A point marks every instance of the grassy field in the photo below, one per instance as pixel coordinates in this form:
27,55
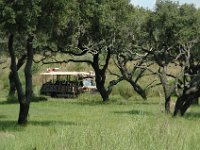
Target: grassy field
88,124
125,123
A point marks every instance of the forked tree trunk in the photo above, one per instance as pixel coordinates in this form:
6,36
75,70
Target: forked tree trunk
18,84
24,101
186,100
182,104
24,107
100,76
12,88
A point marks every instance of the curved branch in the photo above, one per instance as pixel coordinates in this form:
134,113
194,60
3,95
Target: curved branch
70,52
113,83
21,61
67,61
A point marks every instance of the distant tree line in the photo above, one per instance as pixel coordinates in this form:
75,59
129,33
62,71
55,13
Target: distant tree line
105,30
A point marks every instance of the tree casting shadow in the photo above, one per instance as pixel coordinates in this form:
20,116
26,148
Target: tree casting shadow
11,125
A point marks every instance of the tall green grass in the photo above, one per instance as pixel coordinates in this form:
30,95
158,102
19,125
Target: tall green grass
126,122
86,123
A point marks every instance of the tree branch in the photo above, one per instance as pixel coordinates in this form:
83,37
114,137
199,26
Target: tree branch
112,83
21,61
67,61
107,61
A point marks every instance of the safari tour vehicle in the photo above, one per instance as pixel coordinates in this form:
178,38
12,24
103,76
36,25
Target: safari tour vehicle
56,83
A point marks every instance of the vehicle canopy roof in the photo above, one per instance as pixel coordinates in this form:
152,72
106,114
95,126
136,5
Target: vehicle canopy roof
69,73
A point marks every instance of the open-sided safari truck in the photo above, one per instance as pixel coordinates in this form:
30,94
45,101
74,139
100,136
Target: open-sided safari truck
58,83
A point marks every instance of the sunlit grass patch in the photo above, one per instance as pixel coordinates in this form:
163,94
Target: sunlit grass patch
84,124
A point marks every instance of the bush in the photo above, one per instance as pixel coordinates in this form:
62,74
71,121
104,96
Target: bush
38,99
12,99
124,89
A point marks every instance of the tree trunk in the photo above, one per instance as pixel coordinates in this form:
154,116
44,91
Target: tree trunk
167,104
103,92
12,85
182,104
23,113
20,63
13,68
28,67
22,116
24,107
166,88
189,100
100,76
138,89
179,104
185,106
100,80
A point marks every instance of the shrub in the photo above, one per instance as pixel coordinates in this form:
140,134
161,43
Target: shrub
12,99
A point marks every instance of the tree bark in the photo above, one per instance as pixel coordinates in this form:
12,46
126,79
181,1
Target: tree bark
179,104
12,85
166,88
23,113
13,68
20,63
22,119
167,104
100,76
103,92
186,100
24,107
100,81
138,89
185,106
28,67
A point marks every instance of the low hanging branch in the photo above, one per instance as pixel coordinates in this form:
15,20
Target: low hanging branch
66,61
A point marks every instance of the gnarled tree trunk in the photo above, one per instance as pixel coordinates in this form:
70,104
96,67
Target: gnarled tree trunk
101,75
190,94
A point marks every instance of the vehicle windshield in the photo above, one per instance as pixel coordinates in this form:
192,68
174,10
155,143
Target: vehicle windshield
88,82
